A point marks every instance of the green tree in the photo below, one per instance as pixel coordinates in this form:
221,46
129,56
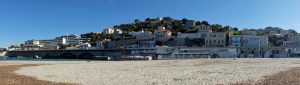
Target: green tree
198,23
216,27
237,33
235,29
184,20
279,43
136,21
205,23
167,19
147,19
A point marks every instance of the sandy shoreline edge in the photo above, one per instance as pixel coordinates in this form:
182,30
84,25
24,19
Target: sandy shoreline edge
9,77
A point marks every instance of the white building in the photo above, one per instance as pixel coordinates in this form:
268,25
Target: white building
294,38
249,41
136,33
291,43
162,34
70,39
32,43
216,39
193,35
53,44
203,32
209,52
85,45
142,35
112,31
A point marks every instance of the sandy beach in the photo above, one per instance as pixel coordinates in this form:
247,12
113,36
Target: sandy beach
169,72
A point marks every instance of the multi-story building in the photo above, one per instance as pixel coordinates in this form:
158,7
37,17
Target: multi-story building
216,39
136,33
249,41
294,38
71,39
291,43
49,44
206,35
112,31
236,41
188,35
162,34
203,52
142,35
203,32
54,43
32,43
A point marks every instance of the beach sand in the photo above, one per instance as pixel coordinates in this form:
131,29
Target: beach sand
9,77
169,72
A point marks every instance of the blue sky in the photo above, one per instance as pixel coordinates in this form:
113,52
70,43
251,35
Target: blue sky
21,20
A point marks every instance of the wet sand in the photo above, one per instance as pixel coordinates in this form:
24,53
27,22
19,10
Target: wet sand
9,77
289,77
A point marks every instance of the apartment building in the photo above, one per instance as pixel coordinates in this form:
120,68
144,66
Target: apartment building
248,41
216,39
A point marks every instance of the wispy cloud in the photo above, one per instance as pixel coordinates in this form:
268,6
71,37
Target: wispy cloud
112,3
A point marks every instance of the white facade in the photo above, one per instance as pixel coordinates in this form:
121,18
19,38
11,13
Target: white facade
249,41
70,39
108,31
162,34
216,39
199,34
54,43
112,31
203,32
142,35
85,46
291,43
204,52
236,41
294,38
32,43
136,33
